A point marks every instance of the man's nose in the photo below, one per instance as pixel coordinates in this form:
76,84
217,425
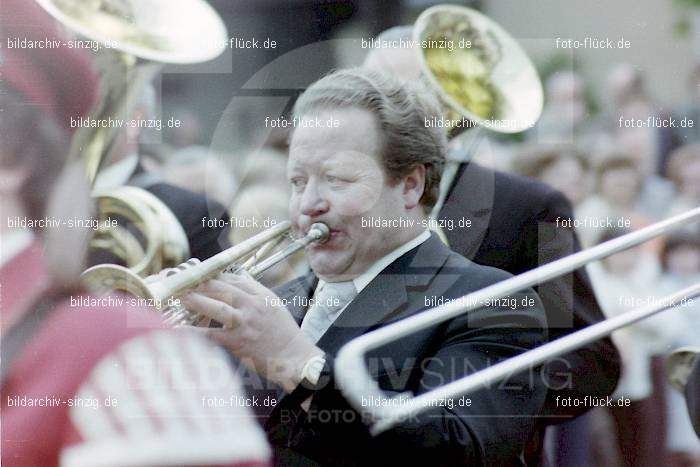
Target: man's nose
313,203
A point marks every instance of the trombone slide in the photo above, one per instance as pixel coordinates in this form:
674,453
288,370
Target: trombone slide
356,383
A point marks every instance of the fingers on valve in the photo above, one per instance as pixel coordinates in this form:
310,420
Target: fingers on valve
213,309
241,280
221,290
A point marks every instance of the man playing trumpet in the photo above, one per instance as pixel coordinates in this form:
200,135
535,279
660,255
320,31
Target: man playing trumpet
370,156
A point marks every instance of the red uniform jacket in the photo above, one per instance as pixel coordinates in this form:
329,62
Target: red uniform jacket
101,382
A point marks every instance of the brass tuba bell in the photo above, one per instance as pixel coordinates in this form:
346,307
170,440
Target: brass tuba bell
480,74
680,364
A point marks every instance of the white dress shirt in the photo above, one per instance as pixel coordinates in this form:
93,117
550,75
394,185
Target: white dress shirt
13,243
366,277
117,174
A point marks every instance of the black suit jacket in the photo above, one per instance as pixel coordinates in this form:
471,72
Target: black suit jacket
189,209
514,228
692,396
493,431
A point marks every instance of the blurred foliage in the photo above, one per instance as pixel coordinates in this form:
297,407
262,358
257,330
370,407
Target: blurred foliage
688,3
562,62
682,27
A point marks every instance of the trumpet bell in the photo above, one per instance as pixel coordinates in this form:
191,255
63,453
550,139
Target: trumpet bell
154,30
105,278
679,365
477,69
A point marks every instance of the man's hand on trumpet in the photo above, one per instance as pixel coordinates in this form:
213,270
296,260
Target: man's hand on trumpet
257,328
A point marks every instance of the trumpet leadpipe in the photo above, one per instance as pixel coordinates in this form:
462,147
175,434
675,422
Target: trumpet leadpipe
317,233
179,281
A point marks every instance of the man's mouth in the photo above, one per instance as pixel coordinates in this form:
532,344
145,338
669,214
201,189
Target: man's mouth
333,234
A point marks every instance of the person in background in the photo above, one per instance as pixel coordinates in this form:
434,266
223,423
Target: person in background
561,166
88,380
188,133
684,172
617,187
202,171
266,166
623,282
656,191
565,111
631,101
690,112
680,261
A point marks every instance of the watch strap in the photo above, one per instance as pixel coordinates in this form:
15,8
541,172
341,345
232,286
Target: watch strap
310,379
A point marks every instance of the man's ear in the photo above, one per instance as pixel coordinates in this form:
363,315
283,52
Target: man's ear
413,186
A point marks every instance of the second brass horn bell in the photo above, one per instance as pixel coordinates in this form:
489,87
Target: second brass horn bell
477,69
482,77
680,364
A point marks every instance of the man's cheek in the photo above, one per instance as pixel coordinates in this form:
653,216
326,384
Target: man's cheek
351,208
355,202
294,210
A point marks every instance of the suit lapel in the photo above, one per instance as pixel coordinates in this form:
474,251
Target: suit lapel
472,196
296,294
385,295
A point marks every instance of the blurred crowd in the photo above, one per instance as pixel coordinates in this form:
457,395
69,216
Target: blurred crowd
633,163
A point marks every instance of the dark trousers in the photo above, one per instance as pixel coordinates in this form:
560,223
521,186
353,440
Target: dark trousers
641,427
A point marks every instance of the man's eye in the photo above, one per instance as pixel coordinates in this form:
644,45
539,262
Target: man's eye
335,180
297,183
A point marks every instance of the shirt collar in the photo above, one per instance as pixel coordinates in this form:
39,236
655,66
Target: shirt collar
13,243
365,278
117,174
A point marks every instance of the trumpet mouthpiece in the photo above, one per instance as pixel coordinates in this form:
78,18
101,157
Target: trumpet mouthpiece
320,232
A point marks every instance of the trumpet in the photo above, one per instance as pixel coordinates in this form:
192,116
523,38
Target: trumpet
357,384
250,255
